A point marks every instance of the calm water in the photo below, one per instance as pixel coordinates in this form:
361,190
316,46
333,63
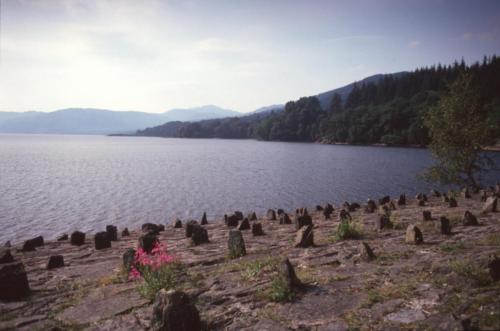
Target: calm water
52,184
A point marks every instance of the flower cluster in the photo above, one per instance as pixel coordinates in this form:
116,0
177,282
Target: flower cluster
145,262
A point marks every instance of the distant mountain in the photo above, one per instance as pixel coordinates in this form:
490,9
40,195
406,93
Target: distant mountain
267,109
100,121
199,113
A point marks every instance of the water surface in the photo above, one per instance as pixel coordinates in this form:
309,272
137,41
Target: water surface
51,184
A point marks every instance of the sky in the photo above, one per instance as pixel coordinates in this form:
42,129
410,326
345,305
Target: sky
153,55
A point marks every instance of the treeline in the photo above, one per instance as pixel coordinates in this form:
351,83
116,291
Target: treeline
389,111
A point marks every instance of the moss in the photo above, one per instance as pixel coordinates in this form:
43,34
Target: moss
466,269
348,230
252,269
279,291
453,248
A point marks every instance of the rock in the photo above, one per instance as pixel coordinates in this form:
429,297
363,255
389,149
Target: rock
287,273
236,244
465,193
421,202
319,208
483,195
435,193
125,232
452,203
445,198
13,281
490,206
302,211
383,222
271,215
199,235
257,229
101,240
392,206
344,215
239,215
414,235
252,216
55,261
231,220
445,225
285,219
150,228
161,227
384,200
28,246
128,259
304,237
384,210
280,211
494,267
189,228
244,225
327,210
354,206
177,224
365,251
77,238
5,256
302,220
7,244
173,311
469,219
402,200
426,215
421,196
371,206
63,237
147,242
405,316
112,232
204,220
37,241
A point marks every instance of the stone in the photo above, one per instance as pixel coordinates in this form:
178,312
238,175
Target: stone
421,196
37,241
370,207
285,219
77,238
465,193
445,225
147,242
327,210
177,224
189,228
204,220
384,210
7,244
494,268
426,215
112,232
414,235
63,237
402,200
280,211
365,251
435,193
13,281
239,215
319,208
5,255
101,240
392,206
271,215
244,225
236,244
452,203
199,235
445,199
128,259
469,219
490,206
287,273
304,237
384,200
173,311
55,261
28,246
252,216
383,222
161,227
483,195
354,206
421,202
302,220
125,232
257,229
231,220
150,228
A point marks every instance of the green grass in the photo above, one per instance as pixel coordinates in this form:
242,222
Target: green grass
278,290
480,276
453,248
253,269
348,230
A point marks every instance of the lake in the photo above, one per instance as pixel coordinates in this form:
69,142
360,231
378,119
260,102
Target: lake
50,184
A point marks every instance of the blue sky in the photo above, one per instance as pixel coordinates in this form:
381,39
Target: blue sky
153,55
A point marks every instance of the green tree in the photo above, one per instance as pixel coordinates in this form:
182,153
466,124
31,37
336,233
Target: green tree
459,129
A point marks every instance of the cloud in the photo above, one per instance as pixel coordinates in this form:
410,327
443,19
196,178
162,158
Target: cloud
414,44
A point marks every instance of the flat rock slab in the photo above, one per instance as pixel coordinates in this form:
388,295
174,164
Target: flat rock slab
405,316
103,303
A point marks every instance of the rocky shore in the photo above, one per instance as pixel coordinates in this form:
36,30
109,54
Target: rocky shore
416,263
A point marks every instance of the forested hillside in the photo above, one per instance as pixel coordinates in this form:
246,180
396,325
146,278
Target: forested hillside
388,110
